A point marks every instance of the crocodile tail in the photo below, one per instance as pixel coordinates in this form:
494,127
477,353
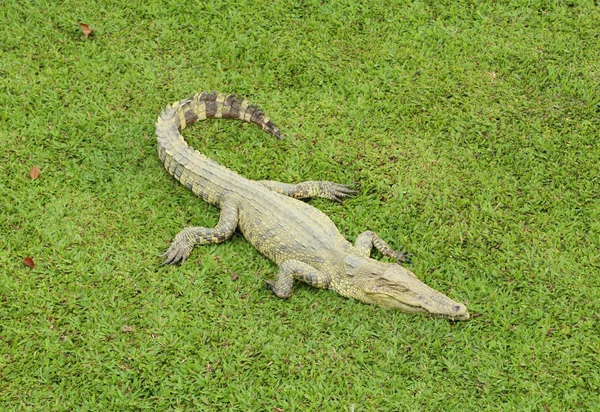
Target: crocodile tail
172,147
218,106
221,106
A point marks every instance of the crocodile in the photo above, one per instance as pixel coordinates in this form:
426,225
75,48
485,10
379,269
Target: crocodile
300,239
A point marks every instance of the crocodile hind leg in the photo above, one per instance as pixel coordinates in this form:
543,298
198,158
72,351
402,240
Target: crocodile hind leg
327,190
191,236
366,240
290,269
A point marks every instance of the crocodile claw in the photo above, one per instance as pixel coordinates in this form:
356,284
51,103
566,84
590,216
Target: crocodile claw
336,192
402,256
177,252
269,284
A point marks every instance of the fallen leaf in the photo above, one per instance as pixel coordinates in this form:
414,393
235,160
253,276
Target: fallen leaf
126,328
28,262
277,410
34,173
85,29
476,315
124,366
234,277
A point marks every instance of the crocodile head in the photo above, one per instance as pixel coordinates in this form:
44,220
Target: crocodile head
391,286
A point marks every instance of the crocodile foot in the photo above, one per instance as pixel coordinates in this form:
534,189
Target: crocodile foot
279,291
335,191
401,256
180,249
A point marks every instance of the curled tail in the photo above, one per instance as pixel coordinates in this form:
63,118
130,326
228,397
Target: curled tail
218,105
190,167
213,106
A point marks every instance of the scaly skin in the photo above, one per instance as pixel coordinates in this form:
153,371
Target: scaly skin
300,239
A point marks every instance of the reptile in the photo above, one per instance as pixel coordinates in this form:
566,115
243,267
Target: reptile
300,239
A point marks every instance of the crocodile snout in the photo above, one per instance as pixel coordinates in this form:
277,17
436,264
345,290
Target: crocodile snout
460,312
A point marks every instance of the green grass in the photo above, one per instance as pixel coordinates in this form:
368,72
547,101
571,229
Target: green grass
471,129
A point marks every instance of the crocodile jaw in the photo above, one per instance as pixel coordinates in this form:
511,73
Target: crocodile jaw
416,298
392,286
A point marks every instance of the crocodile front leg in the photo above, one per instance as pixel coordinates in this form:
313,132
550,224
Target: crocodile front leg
290,269
327,190
366,240
191,236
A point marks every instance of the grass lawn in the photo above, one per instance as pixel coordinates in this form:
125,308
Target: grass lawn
471,129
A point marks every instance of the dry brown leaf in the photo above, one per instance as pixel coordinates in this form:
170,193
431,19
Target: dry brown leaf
28,262
277,409
34,173
85,29
234,277
126,328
